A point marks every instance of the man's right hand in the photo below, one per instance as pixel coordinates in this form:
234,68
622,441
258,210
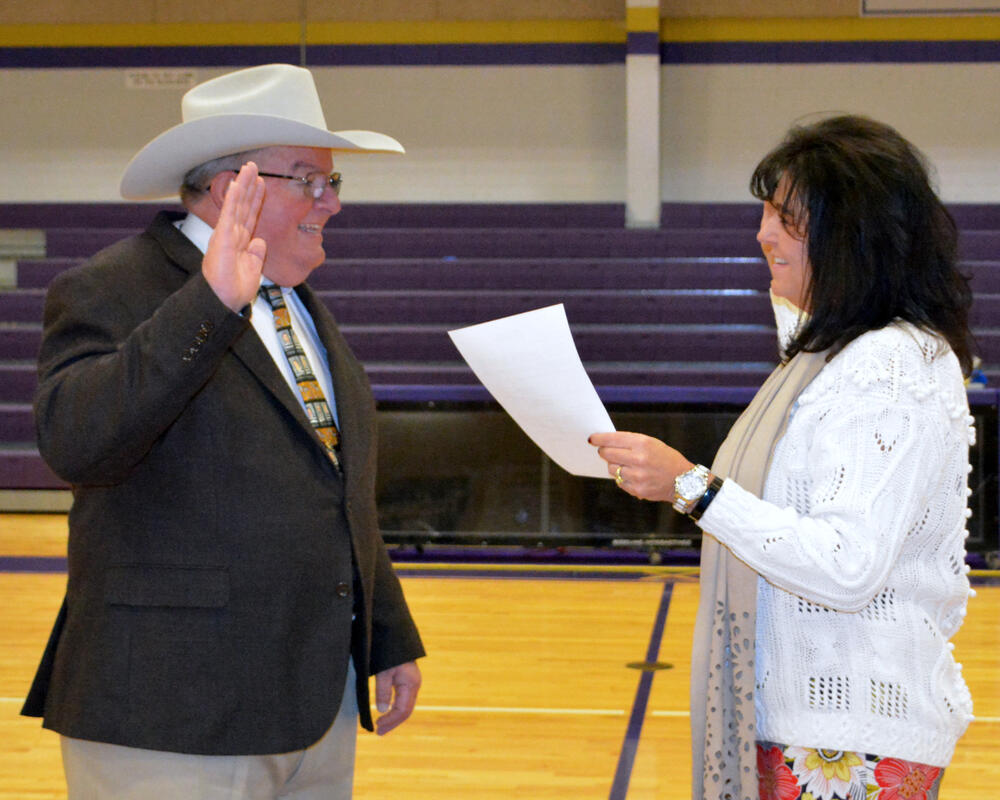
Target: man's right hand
234,260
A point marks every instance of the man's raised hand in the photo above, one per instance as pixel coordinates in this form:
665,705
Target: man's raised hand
234,259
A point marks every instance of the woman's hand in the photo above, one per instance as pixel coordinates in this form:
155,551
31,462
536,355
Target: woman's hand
641,465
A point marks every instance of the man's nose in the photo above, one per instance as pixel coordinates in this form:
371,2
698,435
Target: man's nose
329,201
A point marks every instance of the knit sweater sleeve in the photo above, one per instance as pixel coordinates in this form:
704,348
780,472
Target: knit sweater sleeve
869,457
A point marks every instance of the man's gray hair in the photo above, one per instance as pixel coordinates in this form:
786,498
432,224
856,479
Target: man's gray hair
197,179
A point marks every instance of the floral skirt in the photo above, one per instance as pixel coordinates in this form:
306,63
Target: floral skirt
787,772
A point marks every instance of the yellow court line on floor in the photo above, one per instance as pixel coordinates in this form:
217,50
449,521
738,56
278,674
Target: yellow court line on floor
402,568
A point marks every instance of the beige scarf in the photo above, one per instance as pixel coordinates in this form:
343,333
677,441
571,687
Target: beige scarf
723,725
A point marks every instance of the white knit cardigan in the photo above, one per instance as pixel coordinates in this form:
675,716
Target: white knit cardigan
859,545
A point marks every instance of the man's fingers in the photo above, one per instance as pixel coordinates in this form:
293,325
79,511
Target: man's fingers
399,686
388,722
257,248
244,196
383,691
402,708
250,194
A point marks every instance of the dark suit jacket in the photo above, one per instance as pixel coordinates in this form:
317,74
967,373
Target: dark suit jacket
216,556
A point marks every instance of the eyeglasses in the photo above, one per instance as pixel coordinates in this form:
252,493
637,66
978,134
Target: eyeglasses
314,184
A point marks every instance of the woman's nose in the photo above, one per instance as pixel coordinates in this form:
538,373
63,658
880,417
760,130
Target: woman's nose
767,230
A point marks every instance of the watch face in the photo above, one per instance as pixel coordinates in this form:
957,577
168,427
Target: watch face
689,484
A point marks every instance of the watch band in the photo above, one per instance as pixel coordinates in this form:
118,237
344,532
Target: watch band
703,502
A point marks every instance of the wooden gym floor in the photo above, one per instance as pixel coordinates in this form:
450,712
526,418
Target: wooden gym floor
534,686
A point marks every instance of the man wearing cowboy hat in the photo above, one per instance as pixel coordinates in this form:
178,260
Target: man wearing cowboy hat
228,591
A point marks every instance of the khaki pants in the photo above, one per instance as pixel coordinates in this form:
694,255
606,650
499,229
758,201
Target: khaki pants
323,771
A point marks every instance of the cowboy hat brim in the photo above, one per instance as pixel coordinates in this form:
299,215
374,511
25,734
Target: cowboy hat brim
158,169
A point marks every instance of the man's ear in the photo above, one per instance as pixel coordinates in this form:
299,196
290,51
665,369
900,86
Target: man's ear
218,186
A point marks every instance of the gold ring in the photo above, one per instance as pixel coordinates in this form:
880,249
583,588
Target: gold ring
618,476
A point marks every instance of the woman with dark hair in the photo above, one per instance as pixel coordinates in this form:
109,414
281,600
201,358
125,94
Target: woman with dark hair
833,566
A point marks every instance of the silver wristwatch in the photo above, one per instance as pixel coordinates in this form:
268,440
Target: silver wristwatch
689,487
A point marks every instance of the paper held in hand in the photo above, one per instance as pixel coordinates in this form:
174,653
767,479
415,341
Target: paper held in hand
529,363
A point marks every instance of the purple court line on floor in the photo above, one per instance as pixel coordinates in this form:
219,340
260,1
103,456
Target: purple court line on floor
619,788
32,564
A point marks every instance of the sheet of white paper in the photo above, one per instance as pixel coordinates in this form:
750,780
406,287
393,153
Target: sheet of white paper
530,365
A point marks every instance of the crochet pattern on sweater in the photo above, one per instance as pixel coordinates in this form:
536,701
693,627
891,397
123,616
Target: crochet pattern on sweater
860,544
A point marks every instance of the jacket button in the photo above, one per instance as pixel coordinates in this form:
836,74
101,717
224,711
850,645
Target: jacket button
343,590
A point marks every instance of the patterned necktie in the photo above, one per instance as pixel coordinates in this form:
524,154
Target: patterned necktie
316,406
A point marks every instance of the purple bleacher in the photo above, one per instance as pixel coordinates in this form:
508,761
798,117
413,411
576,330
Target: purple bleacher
604,342
677,314
541,273
22,468
413,381
984,275
745,216
976,216
977,245
632,346
18,380
21,305
985,311
639,306
595,342
37,273
967,216
528,273
499,273
343,242
16,422
51,216
20,341
545,243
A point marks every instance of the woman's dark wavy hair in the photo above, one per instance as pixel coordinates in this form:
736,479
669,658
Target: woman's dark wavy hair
881,244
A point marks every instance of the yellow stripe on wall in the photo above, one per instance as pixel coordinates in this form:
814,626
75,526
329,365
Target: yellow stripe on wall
147,35
165,35
440,32
507,32
830,29
642,20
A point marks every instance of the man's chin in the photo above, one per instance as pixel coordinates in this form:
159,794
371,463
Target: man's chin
290,274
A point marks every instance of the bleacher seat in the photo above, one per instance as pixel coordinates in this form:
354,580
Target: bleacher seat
678,314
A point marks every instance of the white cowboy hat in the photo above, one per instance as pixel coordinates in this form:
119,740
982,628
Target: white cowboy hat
270,105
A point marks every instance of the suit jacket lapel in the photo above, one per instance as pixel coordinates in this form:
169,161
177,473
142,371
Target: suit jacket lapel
179,249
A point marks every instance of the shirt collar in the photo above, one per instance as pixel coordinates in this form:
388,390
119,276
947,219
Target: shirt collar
195,229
